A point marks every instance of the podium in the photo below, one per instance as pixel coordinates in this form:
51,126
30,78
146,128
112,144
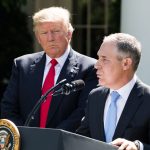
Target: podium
33,138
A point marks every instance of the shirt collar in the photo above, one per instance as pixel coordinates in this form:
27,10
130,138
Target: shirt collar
126,89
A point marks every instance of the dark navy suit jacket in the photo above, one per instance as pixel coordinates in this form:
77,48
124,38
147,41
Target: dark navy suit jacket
24,90
134,123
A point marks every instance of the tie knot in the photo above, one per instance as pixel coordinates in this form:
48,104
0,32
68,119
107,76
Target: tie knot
114,96
53,62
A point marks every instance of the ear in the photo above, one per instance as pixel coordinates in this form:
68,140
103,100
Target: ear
69,35
127,63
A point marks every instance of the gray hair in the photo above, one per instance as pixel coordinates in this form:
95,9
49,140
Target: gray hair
127,45
53,14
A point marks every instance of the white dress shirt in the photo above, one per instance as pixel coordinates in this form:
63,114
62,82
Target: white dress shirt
61,60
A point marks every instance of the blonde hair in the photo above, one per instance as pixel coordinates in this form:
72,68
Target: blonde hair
53,14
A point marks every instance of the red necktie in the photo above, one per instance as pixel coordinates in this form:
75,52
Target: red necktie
48,83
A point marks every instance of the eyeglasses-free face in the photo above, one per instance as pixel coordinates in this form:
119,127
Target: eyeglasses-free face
112,72
54,37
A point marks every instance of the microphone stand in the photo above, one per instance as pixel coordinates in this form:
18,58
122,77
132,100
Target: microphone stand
43,97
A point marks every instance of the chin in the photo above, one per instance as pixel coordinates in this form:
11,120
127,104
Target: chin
102,83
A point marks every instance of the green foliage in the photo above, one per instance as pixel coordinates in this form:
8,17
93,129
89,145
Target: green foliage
15,39
12,4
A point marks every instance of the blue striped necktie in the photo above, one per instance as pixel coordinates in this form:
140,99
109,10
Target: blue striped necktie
111,118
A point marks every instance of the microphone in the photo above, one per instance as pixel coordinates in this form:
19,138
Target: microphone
70,87
43,97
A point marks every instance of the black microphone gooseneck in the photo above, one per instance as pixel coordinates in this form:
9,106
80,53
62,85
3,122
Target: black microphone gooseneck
43,97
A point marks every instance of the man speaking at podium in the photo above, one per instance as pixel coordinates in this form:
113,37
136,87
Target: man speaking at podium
119,110
34,74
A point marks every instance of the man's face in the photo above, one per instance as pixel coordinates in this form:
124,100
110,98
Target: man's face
109,68
53,37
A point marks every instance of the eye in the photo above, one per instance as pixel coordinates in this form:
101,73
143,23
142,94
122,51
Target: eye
43,33
105,60
56,32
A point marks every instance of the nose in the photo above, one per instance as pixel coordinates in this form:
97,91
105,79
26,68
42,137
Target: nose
96,65
50,36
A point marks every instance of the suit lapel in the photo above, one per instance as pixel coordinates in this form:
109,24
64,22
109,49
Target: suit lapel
130,108
70,68
69,72
36,72
36,76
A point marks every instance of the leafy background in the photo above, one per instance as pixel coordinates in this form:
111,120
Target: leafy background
15,39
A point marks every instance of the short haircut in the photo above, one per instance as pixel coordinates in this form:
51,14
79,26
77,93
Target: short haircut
127,45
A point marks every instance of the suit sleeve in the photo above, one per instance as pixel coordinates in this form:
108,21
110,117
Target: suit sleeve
10,104
84,127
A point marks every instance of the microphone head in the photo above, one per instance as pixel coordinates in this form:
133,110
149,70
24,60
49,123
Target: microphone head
68,88
73,87
77,84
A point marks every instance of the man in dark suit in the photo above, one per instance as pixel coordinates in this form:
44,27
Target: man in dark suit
119,56
53,31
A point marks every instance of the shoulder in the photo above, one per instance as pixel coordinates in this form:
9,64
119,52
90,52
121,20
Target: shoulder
30,56
99,90
98,93
83,58
29,59
142,87
141,91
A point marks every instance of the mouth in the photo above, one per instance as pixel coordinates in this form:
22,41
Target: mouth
99,77
52,46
